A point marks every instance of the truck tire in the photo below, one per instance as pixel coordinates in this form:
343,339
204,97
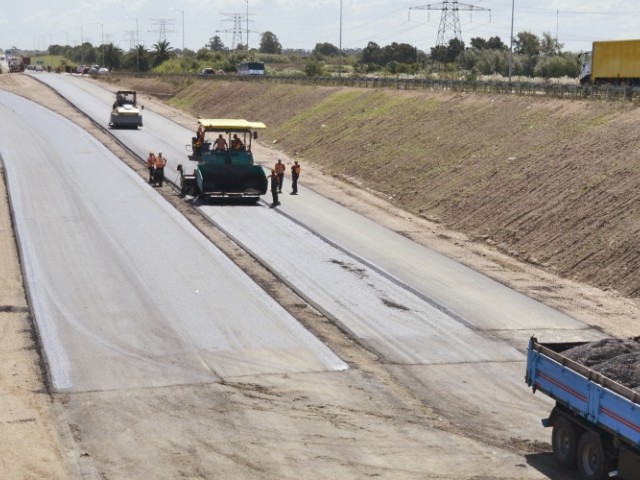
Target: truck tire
592,463
564,440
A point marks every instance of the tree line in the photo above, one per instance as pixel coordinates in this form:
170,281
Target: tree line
532,56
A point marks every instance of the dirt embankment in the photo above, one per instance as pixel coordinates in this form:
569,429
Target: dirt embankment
550,182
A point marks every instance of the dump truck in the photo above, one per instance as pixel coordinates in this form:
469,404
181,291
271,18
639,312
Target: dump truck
15,64
125,112
596,419
612,62
222,170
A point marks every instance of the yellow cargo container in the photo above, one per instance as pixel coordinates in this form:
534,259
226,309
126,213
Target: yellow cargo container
616,62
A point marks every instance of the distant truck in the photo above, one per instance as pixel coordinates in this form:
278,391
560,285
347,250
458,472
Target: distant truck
4,64
251,68
596,420
614,62
15,64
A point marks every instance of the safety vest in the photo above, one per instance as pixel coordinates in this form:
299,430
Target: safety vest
295,169
160,162
151,161
280,168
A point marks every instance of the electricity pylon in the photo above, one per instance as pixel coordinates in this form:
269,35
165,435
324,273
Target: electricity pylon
449,20
162,28
238,19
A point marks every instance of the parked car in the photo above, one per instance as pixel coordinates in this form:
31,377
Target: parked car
207,71
103,70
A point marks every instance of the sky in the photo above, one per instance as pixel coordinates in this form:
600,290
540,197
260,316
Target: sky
301,24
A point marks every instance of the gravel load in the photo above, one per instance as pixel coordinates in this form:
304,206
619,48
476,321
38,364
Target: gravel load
614,358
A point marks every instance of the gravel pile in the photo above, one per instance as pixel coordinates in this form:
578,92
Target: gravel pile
617,359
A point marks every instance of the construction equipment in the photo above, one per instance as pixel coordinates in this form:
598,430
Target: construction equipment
596,420
224,171
125,112
615,62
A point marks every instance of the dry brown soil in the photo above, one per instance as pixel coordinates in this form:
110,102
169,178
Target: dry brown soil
539,194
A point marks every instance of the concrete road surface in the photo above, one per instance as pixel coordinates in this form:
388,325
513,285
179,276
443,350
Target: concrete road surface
126,293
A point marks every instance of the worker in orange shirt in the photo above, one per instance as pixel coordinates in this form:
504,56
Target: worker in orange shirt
280,167
151,166
295,174
275,185
161,162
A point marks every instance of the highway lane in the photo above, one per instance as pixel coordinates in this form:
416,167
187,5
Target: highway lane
157,133
125,292
466,295
396,324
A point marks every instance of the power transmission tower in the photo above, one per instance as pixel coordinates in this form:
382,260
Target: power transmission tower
449,20
132,38
162,28
238,19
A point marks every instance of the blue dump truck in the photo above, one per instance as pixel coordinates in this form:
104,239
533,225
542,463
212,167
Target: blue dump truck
596,420
225,164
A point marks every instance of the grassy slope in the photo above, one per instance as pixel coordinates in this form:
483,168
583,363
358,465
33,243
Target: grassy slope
553,182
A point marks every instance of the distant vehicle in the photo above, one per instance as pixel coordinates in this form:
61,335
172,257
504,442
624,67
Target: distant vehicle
251,68
615,62
207,71
4,65
103,70
15,64
39,68
95,68
125,112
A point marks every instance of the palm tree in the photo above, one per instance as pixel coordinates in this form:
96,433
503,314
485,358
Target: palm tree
162,51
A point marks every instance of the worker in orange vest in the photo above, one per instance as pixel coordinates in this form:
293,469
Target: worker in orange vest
295,174
151,166
161,162
280,167
275,185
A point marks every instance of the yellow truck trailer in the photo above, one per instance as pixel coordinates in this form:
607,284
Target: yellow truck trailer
615,62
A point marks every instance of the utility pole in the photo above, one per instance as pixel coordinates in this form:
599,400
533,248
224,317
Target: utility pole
340,48
137,42
513,4
449,20
182,12
81,42
101,39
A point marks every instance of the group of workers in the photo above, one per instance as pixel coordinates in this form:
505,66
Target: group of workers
155,165
277,180
220,143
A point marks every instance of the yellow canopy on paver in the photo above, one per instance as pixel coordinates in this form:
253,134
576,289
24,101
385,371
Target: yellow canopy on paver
229,125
